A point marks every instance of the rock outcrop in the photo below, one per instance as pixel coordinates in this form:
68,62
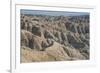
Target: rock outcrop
54,38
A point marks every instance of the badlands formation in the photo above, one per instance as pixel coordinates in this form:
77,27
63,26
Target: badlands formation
54,38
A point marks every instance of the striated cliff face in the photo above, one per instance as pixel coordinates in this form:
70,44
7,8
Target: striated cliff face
54,38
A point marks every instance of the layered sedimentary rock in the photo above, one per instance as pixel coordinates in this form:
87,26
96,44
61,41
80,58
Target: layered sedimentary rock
54,38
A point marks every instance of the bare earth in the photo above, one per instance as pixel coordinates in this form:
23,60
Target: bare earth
54,38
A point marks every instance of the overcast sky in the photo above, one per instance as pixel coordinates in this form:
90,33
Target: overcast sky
52,13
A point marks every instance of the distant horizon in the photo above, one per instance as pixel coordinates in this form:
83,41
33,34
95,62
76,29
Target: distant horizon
52,13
